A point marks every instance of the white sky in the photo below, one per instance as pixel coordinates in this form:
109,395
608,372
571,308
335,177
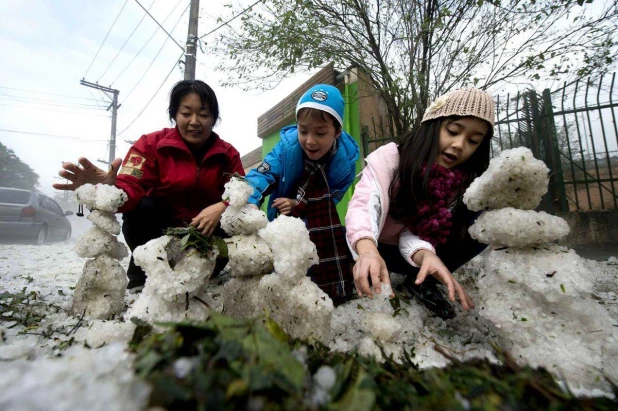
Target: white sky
47,46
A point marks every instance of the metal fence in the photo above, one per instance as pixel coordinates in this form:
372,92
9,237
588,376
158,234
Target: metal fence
573,129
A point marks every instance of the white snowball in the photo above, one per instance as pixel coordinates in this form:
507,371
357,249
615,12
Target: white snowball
101,197
189,275
96,241
518,228
100,290
513,179
249,255
292,249
537,304
243,221
301,308
105,220
240,297
237,192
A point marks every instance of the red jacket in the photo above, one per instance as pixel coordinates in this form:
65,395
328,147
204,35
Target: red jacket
161,165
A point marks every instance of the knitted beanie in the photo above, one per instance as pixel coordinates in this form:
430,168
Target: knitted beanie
465,102
323,97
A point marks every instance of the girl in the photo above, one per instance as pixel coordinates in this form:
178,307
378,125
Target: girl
406,214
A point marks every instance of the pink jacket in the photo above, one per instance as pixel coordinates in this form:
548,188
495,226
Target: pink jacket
367,215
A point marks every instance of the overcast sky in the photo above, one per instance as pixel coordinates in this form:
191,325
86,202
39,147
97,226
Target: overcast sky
48,46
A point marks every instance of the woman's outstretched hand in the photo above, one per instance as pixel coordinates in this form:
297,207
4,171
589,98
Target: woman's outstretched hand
369,265
85,172
206,221
432,265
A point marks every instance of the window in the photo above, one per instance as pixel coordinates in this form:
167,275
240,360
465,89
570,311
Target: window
11,196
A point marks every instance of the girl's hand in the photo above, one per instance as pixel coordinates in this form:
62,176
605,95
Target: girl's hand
432,265
87,173
206,221
369,264
253,206
284,205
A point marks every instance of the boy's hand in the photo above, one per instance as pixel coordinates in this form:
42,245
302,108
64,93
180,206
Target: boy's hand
284,205
87,173
206,221
432,265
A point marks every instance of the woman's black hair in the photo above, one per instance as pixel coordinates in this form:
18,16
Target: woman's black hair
184,87
417,148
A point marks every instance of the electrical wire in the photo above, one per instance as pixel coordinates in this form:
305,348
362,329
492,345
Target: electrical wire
233,18
50,94
153,96
162,28
61,136
125,42
145,44
155,57
103,42
28,100
57,111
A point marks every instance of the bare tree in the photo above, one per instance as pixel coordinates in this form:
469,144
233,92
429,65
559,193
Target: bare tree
415,50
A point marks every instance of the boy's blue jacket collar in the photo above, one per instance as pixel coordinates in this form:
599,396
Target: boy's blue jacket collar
283,167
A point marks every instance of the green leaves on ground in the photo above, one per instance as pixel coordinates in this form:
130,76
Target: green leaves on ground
238,364
190,237
24,307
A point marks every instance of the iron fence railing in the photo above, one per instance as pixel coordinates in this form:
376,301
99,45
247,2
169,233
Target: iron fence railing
573,129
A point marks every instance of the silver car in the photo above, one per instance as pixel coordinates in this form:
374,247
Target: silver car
28,214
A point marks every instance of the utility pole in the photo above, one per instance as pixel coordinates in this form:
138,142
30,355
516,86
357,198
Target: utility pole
114,106
190,59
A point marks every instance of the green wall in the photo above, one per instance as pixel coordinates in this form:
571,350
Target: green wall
351,125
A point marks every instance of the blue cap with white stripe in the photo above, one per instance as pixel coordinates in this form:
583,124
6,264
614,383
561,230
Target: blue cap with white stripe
323,97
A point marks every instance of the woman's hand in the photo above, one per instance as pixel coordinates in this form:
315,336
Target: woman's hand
87,173
284,205
369,265
432,265
206,221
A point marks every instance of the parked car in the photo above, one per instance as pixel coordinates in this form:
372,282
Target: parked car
28,214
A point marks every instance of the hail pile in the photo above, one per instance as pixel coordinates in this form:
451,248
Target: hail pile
99,292
255,248
538,295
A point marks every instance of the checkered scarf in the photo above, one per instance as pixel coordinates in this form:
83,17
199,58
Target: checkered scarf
315,205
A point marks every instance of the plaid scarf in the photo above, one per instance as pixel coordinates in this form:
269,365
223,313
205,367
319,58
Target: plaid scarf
315,205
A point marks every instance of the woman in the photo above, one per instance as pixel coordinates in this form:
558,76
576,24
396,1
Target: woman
172,177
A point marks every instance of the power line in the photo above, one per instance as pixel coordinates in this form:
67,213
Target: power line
29,100
155,20
50,94
125,42
57,111
103,42
153,96
233,18
145,44
51,135
155,57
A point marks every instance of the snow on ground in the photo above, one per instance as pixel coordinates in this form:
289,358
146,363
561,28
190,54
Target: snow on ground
82,364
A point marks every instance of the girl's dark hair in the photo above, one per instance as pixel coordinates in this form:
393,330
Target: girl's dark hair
184,87
313,114
409,186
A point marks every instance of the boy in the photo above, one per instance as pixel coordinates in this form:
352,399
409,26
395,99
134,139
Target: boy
306,174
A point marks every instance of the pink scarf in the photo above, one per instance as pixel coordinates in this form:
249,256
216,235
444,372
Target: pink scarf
432,222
